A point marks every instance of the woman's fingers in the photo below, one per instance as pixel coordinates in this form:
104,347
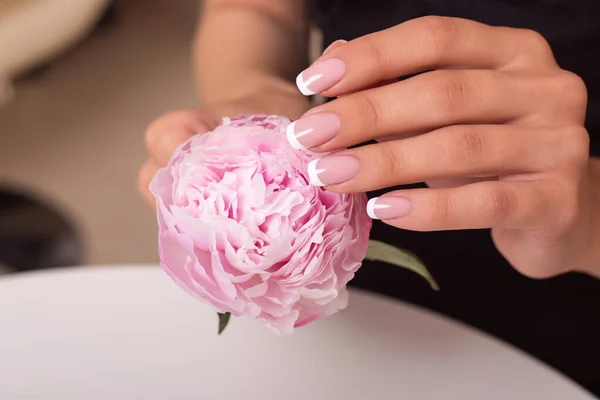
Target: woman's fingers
453,152
163,137
441,183
502,204
421,103
165,134
419,45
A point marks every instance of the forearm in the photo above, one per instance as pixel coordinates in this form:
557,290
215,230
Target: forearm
247,47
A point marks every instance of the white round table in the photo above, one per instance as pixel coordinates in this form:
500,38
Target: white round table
129,333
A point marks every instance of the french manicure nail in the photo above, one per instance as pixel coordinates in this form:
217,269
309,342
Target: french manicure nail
313,130
332,169
320,76
388,207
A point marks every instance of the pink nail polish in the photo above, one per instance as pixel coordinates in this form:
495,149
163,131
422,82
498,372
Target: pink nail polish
388,207
320,76
332,169
313,130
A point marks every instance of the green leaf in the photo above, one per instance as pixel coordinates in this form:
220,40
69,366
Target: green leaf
223,321
379,251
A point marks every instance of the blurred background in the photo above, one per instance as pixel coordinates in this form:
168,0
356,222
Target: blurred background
79,82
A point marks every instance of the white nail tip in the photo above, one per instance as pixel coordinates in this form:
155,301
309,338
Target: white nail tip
313,173
372,206
292,138
303,86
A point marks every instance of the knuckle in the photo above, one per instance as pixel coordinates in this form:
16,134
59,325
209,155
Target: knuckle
441,34
438,213
564,204
576,145
534,39
570,208
376,53
369,110
500,202
564,96
441,215
536,42
570,215
572,89
448,91
391,163
467,146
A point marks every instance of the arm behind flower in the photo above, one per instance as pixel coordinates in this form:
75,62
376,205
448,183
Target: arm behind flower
248,52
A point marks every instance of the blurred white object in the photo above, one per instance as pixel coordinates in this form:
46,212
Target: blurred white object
35,31
129,333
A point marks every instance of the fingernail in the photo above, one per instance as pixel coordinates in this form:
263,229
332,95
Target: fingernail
332,169
333,45
388,207
313,130
320,76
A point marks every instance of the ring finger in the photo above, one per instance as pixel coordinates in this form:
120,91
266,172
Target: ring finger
450,152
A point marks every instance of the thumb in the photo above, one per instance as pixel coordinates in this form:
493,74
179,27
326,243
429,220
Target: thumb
169,131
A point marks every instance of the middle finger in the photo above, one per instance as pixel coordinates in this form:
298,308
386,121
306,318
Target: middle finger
421,103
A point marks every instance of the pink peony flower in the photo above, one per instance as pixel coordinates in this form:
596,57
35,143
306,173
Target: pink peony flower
241,229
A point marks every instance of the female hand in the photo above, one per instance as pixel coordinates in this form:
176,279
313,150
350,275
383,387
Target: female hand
166,133
491,123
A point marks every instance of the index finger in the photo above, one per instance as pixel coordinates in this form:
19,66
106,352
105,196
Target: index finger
419,45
